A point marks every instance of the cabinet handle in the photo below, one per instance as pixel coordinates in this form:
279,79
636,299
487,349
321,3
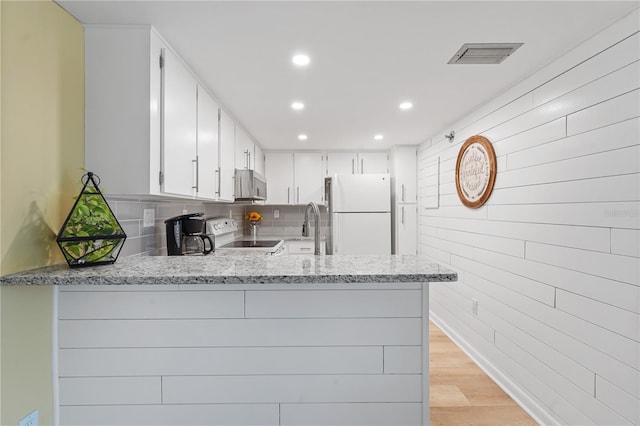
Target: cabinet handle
218,177
403,215
288,195
248,159
195,170
362,166
353,166
298,195
403,192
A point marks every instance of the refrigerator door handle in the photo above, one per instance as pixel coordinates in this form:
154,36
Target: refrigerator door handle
403,215
353,166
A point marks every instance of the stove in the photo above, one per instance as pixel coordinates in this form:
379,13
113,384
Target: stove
227,242
253,244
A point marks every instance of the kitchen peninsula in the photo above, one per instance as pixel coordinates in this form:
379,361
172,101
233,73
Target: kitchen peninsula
272,340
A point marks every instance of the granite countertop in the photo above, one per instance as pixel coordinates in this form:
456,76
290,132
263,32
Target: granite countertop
297,269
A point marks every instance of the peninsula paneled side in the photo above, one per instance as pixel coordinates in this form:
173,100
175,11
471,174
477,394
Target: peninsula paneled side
552,258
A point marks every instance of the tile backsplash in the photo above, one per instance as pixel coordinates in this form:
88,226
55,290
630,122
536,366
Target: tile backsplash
287,224
152,241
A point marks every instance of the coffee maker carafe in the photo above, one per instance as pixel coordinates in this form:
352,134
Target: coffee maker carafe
186,235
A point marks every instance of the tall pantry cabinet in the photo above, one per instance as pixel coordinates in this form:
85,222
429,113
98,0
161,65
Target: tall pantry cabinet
404,200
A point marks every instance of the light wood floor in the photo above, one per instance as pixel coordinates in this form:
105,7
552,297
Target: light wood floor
462,394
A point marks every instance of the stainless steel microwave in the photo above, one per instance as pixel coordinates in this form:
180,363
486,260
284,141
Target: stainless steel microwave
250,186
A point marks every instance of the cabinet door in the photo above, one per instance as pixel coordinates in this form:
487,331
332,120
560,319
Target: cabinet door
406,229
258,163
279,174
244,150
373,162
227,132
207,145
179,127
405,174
342,163
308,177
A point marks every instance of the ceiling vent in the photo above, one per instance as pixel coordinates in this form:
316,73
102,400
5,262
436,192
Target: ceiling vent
483,53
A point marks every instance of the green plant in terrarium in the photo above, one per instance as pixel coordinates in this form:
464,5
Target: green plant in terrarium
91,234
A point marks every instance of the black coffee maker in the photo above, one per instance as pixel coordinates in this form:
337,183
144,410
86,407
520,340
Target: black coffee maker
186,235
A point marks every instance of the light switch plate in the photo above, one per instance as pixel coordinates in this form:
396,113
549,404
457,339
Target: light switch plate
148,218
30,420
276,214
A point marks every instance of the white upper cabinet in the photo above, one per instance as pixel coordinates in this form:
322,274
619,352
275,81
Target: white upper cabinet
279,174
294,178
404,174
227,132
373,162
150,127
179,121
122,108
357,163
258,163
244,150
308,177
207,159
248,155
342,163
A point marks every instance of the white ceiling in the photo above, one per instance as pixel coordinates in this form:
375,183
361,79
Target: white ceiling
366,57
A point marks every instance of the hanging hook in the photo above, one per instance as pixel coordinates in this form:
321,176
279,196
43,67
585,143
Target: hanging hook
450,136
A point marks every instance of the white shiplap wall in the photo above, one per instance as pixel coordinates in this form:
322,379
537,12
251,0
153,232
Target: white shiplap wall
553,257
264,354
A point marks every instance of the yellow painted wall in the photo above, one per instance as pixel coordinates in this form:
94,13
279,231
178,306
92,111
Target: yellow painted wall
41,156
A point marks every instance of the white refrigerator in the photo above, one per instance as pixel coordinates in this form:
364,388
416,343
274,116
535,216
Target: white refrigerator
359,213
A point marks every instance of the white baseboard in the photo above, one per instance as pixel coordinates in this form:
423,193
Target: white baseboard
541,415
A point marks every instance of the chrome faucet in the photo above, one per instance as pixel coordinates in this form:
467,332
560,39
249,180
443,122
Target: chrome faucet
305,225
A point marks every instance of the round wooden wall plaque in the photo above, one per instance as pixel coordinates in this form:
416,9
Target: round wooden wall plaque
475,171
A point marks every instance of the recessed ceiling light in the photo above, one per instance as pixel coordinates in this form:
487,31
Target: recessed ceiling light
301,60
378,137
302,137
406,105
297,106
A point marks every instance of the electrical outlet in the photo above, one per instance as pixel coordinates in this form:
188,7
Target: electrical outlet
30,420
185,211
474,307
148,218
276,214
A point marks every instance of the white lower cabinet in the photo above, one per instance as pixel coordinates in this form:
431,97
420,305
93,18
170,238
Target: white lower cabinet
405,229
233,354
304,246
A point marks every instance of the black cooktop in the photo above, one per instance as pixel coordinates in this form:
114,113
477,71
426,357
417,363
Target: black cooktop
252,244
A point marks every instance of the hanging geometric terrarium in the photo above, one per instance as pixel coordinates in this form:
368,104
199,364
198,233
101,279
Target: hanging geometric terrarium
91,234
